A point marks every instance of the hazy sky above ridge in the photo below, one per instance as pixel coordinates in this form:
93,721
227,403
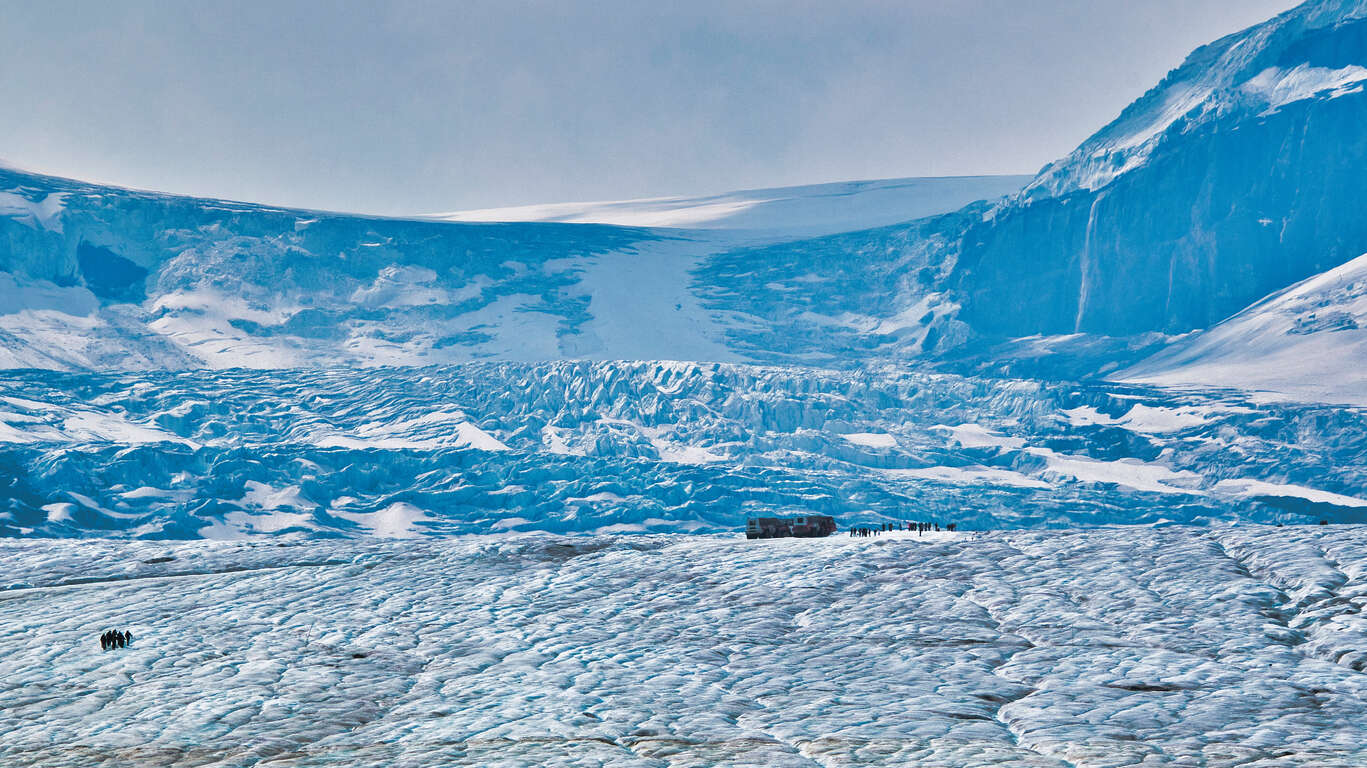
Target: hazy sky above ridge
414,106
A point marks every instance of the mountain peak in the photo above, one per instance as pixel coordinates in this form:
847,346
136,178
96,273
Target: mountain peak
1316,50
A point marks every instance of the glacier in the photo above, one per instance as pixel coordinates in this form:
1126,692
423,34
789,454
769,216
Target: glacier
1232,180
785,212
649,447
1127,353
121,279
463,488
1236,177
1221,647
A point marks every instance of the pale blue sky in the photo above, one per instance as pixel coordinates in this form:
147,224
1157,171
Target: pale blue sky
418,106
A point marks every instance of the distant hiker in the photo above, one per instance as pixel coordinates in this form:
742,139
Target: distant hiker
127,637
951,527
104,640
118,638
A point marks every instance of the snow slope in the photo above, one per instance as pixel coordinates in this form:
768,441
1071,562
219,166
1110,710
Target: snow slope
94,277
1224,647
817,209
1307,342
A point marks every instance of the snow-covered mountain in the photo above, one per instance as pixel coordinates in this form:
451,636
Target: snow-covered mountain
462,470
809,319
812,210
1237,176
93,277
1313,52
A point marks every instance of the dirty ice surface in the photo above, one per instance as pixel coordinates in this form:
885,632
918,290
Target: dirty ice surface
1107,647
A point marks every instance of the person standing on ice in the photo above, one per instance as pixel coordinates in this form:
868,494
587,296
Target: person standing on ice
127,637
104,640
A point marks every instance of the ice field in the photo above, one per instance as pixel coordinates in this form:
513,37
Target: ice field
1109,647
648,448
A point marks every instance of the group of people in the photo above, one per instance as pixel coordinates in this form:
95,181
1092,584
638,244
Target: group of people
115,638
920,528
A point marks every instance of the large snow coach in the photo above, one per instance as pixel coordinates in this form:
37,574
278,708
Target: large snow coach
806,527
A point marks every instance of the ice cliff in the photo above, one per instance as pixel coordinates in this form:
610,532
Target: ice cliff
1238,175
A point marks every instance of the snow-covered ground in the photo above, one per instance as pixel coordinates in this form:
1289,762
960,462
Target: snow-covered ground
1083,649
816,209
1308,342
